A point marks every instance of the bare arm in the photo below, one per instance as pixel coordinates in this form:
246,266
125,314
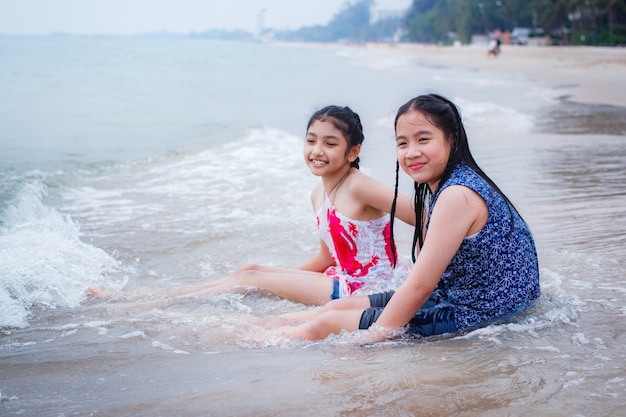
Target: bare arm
459,212
320,261
372,193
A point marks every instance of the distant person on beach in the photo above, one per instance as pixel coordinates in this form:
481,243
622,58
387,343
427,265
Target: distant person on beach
352,213
476,258
493,49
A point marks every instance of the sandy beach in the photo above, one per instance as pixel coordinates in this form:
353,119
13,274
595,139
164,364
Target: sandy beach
587,74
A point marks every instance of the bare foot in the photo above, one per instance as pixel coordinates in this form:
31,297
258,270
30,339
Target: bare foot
268,322
267,338
95,292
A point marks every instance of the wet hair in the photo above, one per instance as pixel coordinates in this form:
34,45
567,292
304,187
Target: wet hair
444,115
347,121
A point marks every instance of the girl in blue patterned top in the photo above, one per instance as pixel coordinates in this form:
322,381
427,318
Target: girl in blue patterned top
476,259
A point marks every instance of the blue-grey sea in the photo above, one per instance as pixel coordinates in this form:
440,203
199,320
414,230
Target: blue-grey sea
142,163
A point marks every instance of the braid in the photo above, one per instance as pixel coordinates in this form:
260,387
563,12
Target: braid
421,199
457,130
355,119
392,217
355,131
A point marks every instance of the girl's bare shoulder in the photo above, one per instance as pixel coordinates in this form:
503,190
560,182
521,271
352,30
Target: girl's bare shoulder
462,197
360,182
317,196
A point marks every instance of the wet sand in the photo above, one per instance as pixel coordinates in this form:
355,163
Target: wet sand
586,74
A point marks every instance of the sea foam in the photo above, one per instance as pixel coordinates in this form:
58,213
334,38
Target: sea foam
43,262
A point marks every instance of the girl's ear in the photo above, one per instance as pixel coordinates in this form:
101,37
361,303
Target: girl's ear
353,154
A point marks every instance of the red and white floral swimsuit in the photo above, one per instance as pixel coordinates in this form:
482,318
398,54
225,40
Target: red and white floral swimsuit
361,249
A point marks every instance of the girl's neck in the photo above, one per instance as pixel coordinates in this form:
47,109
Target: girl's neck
330,183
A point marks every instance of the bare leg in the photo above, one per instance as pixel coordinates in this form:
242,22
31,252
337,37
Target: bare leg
327,323
246,268
230,279
297,285
97,292
317,323
348,303
300,286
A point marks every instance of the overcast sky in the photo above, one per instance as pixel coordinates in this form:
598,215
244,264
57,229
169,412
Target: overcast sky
178,16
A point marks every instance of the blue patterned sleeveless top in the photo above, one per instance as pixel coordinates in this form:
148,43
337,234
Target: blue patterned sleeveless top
495,273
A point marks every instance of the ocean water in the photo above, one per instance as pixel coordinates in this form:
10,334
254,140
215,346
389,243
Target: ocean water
139,164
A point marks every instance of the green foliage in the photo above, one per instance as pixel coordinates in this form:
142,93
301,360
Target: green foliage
589,22
384,30
351,23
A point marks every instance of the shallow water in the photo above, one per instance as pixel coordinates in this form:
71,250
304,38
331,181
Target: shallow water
126,197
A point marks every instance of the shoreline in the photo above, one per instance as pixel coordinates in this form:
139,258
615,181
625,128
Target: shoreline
593,75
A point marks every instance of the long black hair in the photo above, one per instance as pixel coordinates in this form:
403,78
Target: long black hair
344,119
444,115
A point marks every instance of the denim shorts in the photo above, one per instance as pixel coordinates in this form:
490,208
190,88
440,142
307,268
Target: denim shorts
335,294
430,320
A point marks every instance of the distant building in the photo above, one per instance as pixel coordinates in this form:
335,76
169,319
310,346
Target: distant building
260,23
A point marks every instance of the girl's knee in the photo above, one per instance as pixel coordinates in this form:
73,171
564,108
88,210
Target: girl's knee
246,268
247,272
337,304
347,303
247,277
325,325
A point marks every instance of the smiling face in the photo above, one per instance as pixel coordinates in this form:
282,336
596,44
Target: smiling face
423,150
326,150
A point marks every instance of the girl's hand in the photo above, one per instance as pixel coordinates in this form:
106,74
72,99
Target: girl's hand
378,333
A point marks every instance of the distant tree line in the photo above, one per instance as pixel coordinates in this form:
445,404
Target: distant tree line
591,22
588,22
351,24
